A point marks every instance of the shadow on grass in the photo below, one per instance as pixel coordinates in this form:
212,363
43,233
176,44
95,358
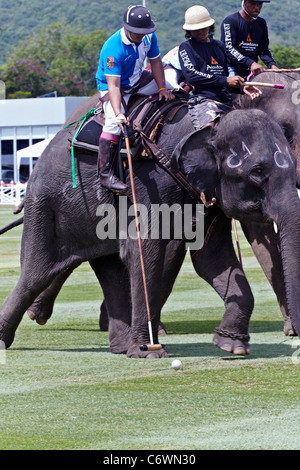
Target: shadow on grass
198,349
87,349
183,327
203,350
208,326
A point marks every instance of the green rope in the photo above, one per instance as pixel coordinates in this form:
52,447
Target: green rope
83,119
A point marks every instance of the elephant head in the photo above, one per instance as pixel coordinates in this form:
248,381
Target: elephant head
247,164
282,105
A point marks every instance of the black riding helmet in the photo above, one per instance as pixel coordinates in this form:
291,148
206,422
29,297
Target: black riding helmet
137,19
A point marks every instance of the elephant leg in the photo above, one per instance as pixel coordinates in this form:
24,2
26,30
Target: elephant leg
39,267
153,258
42,308
114,280
174,257
104,320
265,245
103,317
217,263
175,254
29,286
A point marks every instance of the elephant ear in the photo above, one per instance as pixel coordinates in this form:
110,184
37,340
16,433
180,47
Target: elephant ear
194,157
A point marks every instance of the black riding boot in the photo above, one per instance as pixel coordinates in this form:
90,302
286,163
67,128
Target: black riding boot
107,155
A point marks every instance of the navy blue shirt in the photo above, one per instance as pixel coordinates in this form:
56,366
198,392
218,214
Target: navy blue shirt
245,41
204,65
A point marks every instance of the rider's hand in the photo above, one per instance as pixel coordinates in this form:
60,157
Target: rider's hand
256,68
121,119
167,94
236,81
252,91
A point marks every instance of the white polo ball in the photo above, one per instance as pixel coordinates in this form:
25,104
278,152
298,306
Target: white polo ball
176,364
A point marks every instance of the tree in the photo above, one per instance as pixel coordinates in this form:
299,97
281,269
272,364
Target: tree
26,78
54,60
286,57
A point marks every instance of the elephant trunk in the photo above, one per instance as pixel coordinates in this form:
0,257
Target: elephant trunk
289,233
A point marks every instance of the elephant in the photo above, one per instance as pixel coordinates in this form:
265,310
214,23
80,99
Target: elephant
245,163
284,107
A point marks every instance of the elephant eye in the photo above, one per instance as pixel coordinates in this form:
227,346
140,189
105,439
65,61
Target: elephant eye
257,174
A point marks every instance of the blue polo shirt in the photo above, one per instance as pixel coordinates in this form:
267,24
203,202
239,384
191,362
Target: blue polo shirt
121,58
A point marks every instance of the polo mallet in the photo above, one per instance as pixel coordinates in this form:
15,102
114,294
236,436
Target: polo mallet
266,85
262,84
151,346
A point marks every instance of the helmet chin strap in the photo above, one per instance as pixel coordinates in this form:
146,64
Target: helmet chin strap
245,11
129,36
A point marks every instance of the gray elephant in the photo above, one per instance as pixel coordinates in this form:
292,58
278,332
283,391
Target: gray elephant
243,162
282,105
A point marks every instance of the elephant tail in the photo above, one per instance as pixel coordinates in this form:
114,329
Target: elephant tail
11,225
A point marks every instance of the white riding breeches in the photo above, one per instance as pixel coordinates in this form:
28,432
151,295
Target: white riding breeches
110,126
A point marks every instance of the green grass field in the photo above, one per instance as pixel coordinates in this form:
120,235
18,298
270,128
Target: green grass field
61,388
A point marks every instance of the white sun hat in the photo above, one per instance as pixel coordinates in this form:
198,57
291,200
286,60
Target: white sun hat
197,17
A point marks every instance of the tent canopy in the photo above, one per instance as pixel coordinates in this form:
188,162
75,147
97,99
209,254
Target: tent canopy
33,151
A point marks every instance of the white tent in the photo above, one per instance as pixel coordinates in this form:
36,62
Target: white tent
33,151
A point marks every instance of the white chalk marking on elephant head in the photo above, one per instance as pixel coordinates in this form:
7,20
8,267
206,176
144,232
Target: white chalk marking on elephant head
231,158
280,158
296,93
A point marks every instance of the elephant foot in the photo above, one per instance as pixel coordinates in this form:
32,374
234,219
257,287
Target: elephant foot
119,349
162,330
36,315
134,352
235,344
288,328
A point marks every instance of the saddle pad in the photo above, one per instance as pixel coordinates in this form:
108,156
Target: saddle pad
89,135
141,112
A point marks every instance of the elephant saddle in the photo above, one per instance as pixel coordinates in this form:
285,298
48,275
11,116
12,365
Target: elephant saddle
146,115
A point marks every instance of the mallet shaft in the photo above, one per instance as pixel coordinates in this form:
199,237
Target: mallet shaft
138,232
267,85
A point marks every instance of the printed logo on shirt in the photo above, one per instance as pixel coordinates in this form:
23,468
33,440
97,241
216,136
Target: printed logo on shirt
249,38
110,62
248,46
214,66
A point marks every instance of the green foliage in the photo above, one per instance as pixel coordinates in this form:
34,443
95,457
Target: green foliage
22,19
286,57
43,55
